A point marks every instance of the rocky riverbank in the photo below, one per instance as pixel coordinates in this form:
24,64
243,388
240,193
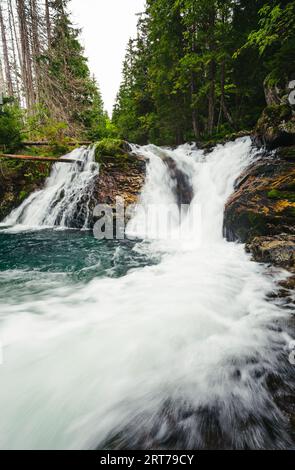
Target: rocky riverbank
261,211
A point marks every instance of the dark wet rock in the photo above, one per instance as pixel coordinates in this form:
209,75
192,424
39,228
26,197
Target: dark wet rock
181,426
278,250
120,177
183,189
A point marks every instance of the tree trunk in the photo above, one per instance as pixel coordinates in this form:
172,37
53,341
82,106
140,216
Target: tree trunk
26,55
8,78
35,45
195,122
211,99
2,84
14,45
194,111
223,103
211,72
48,22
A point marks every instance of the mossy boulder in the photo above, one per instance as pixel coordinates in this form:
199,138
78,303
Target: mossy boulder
107,148
276,127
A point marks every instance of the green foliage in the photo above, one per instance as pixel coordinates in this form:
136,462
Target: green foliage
276,194
23,195
275,40
109,147
10,126
182,77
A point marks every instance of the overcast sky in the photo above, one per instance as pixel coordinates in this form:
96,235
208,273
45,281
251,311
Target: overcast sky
107,26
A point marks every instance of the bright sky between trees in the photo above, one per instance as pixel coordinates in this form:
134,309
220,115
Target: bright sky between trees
106,27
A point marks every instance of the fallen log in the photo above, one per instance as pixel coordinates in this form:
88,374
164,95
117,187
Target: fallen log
47,144
38,159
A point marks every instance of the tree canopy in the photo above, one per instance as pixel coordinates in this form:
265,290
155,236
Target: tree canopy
198,68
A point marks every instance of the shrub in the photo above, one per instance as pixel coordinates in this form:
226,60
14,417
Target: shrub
10,126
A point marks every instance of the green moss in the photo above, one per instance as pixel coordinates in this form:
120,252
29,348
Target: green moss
257,222
273,116
23,195
110,148
276,194
278,113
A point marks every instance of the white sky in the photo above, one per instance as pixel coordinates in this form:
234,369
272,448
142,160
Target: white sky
106,27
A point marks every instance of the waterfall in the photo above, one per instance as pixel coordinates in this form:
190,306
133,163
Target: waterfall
183,354
66,198
211,178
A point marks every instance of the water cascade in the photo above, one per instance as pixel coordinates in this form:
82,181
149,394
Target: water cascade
65,199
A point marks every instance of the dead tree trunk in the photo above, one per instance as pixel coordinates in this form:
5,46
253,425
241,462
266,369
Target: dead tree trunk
15,51
48,22
8,78
26,55
35,44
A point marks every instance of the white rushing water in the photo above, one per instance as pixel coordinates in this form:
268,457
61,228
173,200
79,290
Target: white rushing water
64,198
175,354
